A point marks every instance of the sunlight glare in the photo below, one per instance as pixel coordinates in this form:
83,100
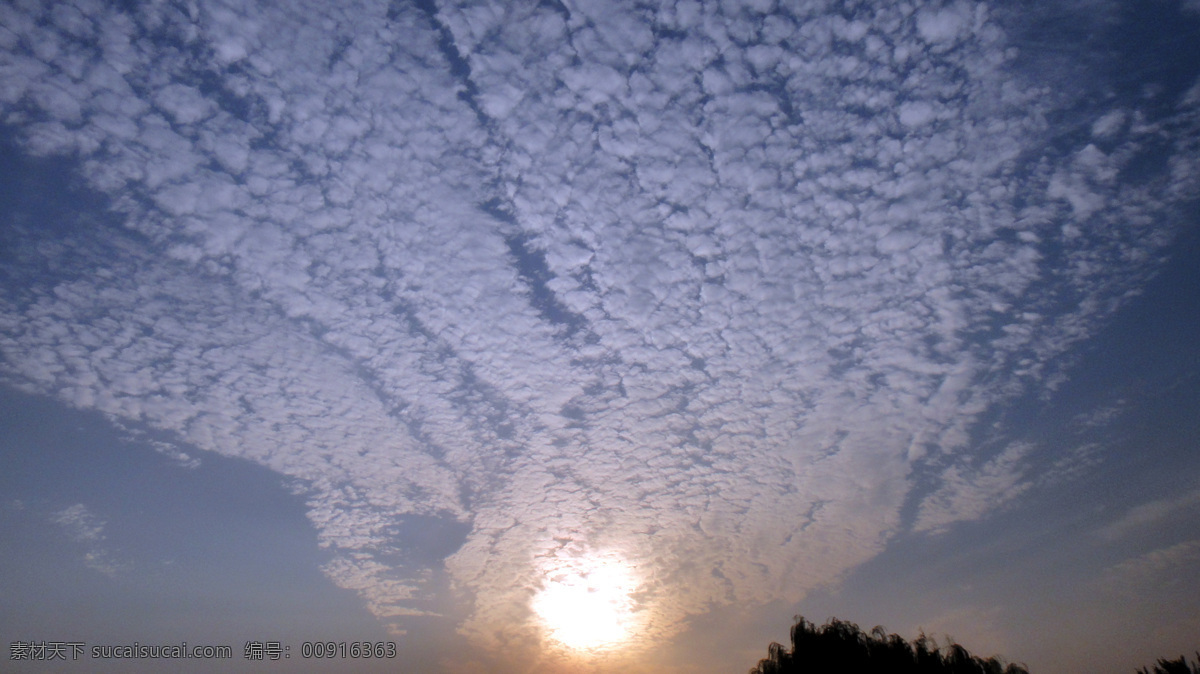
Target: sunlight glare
588,608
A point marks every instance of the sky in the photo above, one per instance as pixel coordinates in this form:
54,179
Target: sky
599,336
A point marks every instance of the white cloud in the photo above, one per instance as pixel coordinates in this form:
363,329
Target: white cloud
946,24
79,522
184,103
1156,571
969,492
917,113
784,288
1102,416
1142,517
86,529
1108,125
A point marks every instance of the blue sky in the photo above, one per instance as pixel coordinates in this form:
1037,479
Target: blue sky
408,321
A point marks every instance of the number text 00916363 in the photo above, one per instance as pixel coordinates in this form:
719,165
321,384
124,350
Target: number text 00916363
348,649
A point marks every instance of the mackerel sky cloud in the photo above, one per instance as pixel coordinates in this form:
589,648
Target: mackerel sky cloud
724,299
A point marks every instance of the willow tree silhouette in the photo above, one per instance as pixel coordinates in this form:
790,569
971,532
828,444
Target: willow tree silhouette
840,646
1179,666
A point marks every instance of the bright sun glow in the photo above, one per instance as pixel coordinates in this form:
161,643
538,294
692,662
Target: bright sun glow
588,608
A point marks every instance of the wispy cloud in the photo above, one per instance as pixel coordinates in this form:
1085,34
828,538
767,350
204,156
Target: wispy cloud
169,449
1155,571
1101,416
967,493
86,529
693,285
1144,516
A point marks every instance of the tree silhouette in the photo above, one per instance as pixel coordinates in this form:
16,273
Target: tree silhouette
840,646
1179,666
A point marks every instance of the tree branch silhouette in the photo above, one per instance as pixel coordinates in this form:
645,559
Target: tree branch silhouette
841,646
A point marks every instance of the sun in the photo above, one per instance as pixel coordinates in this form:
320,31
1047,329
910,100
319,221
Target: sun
588,608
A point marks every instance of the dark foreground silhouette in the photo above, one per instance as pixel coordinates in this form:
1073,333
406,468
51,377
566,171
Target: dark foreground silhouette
840,646
1179,666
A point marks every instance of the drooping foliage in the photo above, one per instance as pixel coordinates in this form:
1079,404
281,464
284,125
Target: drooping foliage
841,646
1180,666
